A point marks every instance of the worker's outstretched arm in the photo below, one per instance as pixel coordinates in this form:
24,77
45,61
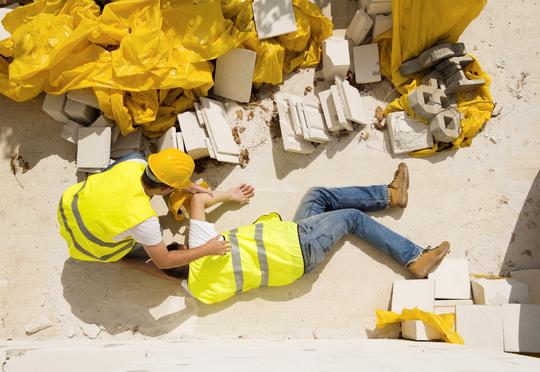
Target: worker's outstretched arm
199,202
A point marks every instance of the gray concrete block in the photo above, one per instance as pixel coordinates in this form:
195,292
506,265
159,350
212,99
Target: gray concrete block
463,61
446,125
80,112
434,79
54,107
430,57
464,86
426,101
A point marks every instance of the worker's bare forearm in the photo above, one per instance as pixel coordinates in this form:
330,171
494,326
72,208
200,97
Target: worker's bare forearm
183,257
209,200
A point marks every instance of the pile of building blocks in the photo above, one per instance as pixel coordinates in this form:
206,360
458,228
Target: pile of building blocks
495,314
407,134
273,18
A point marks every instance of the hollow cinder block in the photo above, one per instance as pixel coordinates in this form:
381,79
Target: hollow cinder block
426,101
446,126
430,57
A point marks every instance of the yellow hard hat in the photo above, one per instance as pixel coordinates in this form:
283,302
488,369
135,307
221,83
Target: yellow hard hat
180,200
172,167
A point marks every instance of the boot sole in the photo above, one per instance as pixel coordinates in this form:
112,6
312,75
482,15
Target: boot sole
404,197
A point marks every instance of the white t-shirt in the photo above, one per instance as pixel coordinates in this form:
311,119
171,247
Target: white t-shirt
200,232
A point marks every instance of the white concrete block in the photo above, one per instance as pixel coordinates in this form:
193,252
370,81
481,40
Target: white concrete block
439,303
126,144
499,291
85,96
521,328
315,123
234,74
359,27
298,109
379,7
366,64
273,18
102,121
480,326
70,131
209,148
80,112
340,111
293,102
444,310
331,118
408,294
418,331
452,279
193,134
407,134
180,142
168,140
382,24
353,103
94,148
532,279
3,32
217,125
54,107
291,141
336,59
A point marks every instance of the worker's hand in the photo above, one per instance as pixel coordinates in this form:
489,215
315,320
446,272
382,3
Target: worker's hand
216,247
195,189
242,193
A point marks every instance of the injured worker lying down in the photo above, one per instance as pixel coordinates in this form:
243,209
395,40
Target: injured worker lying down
273,252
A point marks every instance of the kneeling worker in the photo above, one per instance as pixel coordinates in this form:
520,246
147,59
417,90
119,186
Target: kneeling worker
272,252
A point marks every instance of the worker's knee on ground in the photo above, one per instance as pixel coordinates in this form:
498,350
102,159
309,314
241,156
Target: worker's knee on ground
354,218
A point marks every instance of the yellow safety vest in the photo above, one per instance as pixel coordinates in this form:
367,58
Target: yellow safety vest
93,212
266,253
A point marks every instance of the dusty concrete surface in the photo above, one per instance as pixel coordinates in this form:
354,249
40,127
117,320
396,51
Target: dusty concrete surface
484,199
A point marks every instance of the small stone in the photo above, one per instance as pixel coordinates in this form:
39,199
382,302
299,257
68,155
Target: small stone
38,324
90,330
70,331
493,140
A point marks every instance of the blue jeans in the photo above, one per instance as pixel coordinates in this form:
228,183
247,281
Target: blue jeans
325,215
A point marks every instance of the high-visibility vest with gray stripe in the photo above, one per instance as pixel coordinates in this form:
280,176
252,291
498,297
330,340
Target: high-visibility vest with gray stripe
93,212
266,253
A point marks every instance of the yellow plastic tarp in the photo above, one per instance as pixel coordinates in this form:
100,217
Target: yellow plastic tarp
444,323
417,26
146,60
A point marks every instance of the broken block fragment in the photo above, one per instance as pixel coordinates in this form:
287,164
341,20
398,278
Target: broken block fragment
167,140
340,111
219,131
193,134
382,24
273,18
408,294
93,149
234,74
366,64
54,107
316,130
291,141
359,27
452,279
521,328
430,57
407,134
419,331
446,125
499,291
180,142
336,60
329,110
378,7
85,96
352,102
426,101
480,326
80,112
126,144
70,131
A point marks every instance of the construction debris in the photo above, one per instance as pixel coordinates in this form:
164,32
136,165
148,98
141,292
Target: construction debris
499,291
374,7
382,24
54,107
410,294
407,134
85,96
366,64
234,74
91,331
335,59
452,279
430,57
38,324
194,135
93,149
244,158
80,112
359,27
292,141
126,144
273,18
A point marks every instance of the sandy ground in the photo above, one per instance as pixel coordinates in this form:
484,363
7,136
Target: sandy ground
484,199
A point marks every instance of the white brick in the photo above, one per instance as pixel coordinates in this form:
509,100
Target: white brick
407,134
180,142
80,112
70,131
3,32
85,96
219,130
54,107
194,135
366,64
379,7
273,18
499,291
234,74
532,279
336,59
382,24
340,111
315,123
452,279
168,140
480,326
359,27
408,294
521,328
291,141
102,121
126,144
293,102
93,148
353,103
417,330
329,110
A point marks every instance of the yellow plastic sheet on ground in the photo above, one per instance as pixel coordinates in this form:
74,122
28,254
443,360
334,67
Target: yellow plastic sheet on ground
417,26
443,323
146,60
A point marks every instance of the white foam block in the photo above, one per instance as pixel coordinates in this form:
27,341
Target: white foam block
366,64
273,18
452,279
315,123
93,148
193,134
335,59
521,328
532,279
219,130
85,96
80,112
234,74
340,111
382,24
419,331
3,32
359,27
54,107
408,294
353,103
167,140
407,134
70,131
480,326
499,291
329,111
291,141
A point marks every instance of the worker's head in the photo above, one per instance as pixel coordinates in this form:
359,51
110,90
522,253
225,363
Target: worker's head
168,170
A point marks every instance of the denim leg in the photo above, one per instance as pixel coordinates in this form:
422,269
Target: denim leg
320,232
130,156
321,199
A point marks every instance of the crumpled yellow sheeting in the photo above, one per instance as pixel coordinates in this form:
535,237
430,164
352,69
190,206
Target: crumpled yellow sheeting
444,323
418,25
146,60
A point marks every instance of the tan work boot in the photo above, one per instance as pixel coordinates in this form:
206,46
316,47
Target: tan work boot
398,187
428,260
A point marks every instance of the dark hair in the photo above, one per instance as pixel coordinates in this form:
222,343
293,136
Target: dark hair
149,183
